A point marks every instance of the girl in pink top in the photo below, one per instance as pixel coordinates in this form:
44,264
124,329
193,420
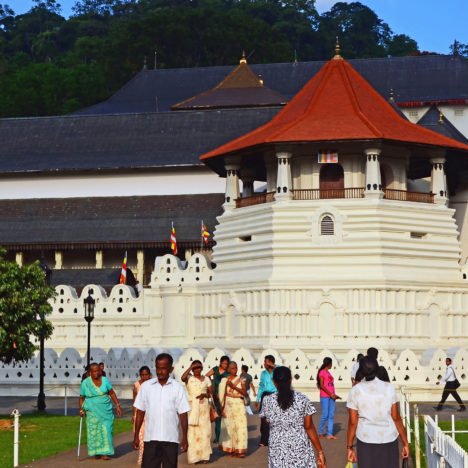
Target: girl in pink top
325,383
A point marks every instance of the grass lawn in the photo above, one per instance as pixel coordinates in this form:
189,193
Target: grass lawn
460,425
45,435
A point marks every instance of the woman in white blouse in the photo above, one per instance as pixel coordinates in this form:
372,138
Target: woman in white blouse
374,419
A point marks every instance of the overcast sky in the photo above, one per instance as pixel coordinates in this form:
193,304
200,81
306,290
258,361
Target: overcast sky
434,24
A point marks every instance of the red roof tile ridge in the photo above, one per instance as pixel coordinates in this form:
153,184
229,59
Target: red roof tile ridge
343,70
322,78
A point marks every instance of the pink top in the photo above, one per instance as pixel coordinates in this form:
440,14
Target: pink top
327,383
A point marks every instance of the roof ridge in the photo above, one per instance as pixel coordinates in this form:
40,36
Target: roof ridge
294,122
354,101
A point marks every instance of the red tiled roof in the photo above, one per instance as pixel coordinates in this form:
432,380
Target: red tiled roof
337,104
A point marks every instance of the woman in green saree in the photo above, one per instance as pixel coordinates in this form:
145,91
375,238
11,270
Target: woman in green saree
96,395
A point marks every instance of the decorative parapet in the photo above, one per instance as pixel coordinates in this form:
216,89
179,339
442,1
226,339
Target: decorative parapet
122,364
170,270
122,300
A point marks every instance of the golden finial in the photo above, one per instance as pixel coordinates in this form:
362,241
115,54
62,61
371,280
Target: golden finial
441,118
337,50
243,59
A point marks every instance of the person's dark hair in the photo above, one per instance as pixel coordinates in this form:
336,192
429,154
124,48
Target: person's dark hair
359,357
368,368
282,378
382,374
270,358
196,361
93,364
373,353
327,361
244,368
144,368
224,358
448,359
167,356
101,363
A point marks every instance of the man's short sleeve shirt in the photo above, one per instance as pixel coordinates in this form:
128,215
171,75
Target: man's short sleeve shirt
162,405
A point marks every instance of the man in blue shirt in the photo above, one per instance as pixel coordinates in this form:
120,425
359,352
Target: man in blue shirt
266,387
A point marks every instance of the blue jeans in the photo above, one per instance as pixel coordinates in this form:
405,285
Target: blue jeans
328,414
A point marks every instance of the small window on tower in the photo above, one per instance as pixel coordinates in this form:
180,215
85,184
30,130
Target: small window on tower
327,226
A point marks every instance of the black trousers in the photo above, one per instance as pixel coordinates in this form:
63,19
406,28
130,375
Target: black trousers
160,454
264,425
381,455
450,391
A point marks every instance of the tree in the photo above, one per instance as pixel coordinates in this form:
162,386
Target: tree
401,45
459,49
361,32
24,307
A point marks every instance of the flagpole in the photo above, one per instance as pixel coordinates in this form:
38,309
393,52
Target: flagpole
201,236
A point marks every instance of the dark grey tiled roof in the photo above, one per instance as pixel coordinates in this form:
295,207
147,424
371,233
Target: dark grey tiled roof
423,78
78,278
106,221
121,141
431,120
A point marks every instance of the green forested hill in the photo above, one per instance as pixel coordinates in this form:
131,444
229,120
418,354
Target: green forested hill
52,65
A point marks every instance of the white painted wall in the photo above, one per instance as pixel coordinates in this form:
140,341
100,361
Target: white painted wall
176,181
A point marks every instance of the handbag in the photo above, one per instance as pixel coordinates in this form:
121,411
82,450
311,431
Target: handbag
247,400
404,463
350,464
455,383
213,412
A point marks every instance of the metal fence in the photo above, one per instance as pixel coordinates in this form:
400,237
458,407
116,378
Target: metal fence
441,449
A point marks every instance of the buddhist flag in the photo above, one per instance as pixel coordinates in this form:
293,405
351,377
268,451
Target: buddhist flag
327,157
123,273
204,233
173,241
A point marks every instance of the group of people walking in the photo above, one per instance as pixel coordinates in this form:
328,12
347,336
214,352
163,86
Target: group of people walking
169,419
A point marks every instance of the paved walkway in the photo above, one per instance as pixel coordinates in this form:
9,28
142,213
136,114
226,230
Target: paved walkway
335,451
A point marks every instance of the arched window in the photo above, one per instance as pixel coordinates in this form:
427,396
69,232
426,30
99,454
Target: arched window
327,226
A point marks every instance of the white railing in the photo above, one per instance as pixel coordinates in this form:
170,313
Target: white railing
441,449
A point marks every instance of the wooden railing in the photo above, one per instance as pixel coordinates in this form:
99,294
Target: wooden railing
403,195
317,194
256,199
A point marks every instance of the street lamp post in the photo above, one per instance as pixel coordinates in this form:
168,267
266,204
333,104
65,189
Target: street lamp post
89,304
41,405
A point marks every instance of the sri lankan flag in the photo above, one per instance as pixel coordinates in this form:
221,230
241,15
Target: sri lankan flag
173,241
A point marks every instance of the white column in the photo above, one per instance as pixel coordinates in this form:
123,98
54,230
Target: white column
373,187
284,179
19,258
99,259
58,260
232,186
439,181
247,177
140,265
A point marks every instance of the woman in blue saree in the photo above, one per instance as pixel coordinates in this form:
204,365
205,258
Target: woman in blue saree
96,396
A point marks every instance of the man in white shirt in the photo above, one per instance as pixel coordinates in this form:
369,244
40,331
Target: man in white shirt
355,368
450,387
165,404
